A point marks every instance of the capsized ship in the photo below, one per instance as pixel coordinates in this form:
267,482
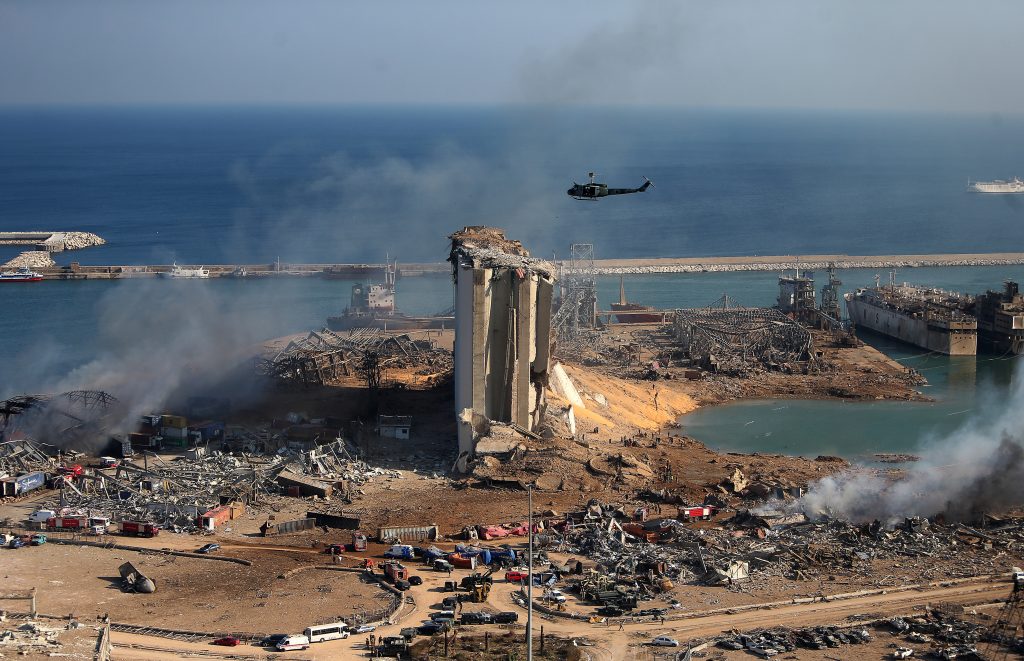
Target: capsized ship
634,313
1000,319
373,306
932,319
1014,185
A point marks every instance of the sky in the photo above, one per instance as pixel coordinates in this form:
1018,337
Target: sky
865,54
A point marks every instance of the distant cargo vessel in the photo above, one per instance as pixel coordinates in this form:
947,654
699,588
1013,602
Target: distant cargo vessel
179,272
1001,319
373,306
929,318
24,274
634,313
1014,185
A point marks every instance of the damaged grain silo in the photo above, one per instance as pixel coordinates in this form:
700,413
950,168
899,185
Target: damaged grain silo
502,332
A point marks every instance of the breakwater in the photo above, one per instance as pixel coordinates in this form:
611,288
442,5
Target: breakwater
789,262
635,266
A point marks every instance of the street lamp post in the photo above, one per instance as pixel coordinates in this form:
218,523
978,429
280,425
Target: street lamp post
529,577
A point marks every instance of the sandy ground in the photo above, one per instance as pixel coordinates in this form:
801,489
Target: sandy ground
192,594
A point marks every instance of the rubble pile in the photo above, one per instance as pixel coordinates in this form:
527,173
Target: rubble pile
174,494
23,456
645,557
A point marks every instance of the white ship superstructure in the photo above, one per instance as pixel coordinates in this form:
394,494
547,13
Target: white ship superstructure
179,272
1014,185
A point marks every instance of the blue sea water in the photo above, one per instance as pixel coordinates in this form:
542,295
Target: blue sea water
228,185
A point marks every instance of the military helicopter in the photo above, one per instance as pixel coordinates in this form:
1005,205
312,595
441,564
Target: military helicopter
592,190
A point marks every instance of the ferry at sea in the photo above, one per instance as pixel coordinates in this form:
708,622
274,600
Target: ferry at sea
1014,185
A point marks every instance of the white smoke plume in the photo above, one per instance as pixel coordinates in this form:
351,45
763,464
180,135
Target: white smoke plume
154,341
977,469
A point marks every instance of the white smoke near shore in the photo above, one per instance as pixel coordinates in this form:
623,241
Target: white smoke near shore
977,469
155,343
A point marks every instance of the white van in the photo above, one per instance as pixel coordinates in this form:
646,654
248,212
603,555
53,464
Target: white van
40,516
323,632
295,642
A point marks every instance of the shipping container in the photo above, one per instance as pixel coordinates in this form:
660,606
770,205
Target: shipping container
215,517
30,481
408,533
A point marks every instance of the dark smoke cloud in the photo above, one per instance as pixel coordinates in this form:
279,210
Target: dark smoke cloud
977,469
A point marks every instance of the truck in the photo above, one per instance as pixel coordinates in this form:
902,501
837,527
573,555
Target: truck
73,523
139,529
396,571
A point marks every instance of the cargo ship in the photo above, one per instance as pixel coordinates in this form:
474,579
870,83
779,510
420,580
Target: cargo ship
634,313
1014,185
23,274
932,319
373,306
1000,318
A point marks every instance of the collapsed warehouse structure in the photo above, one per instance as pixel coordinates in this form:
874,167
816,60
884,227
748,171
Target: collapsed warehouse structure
502,333
324,357
724,337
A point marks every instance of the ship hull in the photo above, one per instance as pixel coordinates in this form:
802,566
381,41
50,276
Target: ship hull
634,313
951,338
20,279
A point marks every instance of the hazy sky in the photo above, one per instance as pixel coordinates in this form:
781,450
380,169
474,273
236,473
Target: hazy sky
938,55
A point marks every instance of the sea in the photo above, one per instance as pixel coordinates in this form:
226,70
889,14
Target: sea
221,185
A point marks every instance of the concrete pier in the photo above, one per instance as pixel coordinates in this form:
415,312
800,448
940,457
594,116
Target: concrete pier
638,266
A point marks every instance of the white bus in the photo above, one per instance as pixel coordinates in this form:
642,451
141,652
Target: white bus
323,632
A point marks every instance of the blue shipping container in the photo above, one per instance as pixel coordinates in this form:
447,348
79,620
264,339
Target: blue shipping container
29,482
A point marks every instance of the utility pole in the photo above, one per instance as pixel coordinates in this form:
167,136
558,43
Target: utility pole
529,585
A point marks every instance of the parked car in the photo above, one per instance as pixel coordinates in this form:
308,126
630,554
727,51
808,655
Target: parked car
556,596
442,614
429,628
227,641
109,462
476,618
506,617
665,641
37,539
208,548
450,602
415,580
335,549
516,576
402,584
273,639
610,611
365,628
408,633
16,543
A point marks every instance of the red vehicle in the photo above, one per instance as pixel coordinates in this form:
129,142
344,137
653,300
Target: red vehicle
139,529
67,523
74,470
227,641
358,541
515,576
702,513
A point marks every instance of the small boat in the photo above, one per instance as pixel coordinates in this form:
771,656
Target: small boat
23,274
179,272
634,313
